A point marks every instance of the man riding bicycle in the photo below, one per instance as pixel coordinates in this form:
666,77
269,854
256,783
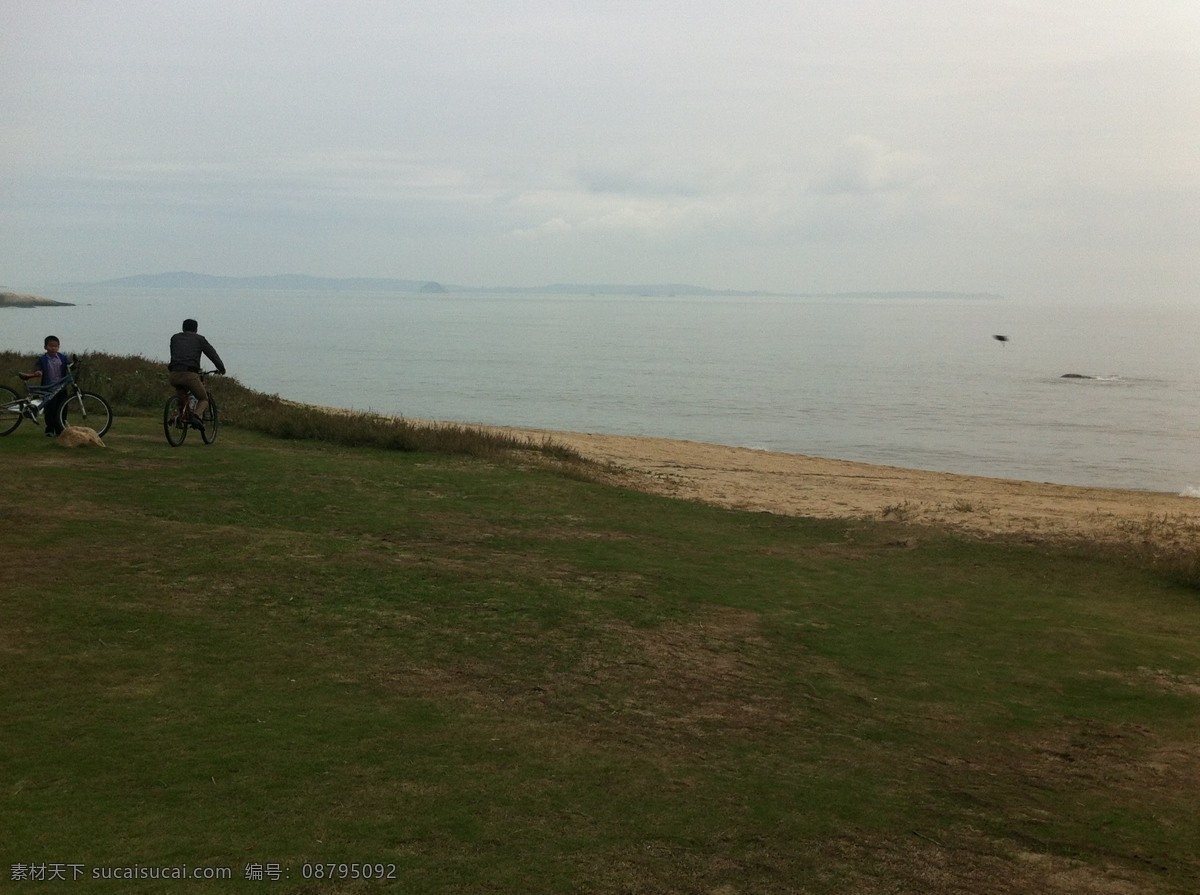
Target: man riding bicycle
186,348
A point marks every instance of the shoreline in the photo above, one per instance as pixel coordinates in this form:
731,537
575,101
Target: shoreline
802,485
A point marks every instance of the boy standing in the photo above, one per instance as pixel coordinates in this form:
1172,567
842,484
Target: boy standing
51,368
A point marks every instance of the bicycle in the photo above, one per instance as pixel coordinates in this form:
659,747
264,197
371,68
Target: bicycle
177,420
79,409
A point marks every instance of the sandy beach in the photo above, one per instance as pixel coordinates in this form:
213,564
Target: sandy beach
794,484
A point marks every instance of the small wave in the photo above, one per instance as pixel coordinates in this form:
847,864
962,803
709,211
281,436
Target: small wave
1190,491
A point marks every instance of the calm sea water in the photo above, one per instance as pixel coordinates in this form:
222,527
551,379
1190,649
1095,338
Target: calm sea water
906,382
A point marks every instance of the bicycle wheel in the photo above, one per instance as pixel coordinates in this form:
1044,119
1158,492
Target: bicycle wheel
10,410
212,422
173,427
86,409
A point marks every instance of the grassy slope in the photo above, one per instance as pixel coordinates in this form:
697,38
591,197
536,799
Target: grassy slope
501,679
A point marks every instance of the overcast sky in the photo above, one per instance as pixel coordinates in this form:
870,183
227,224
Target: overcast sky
1039,150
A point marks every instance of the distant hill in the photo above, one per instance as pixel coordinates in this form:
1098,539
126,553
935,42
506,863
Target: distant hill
185,280
646,289
13,300
300,282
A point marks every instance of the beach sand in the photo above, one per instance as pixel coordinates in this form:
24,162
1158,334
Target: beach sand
793,484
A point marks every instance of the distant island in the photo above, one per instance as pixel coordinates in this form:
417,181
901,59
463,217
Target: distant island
14,300
301,282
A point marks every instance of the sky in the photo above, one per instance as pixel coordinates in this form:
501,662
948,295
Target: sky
1047,151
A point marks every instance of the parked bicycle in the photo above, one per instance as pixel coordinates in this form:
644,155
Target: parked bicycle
179,416
80,408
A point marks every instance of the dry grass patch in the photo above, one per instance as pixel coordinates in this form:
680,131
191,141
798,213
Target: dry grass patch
973,864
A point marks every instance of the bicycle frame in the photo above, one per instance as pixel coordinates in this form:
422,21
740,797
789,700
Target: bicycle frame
48,392
185,406
32,405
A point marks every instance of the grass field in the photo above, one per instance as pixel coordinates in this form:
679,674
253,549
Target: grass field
281,656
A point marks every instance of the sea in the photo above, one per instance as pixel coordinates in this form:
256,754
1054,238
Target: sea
1102,395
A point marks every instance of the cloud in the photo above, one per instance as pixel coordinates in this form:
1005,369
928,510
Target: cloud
866,165
588,216
551,228
654,197
659,177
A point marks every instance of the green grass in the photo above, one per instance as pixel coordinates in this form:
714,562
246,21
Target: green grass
500,678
